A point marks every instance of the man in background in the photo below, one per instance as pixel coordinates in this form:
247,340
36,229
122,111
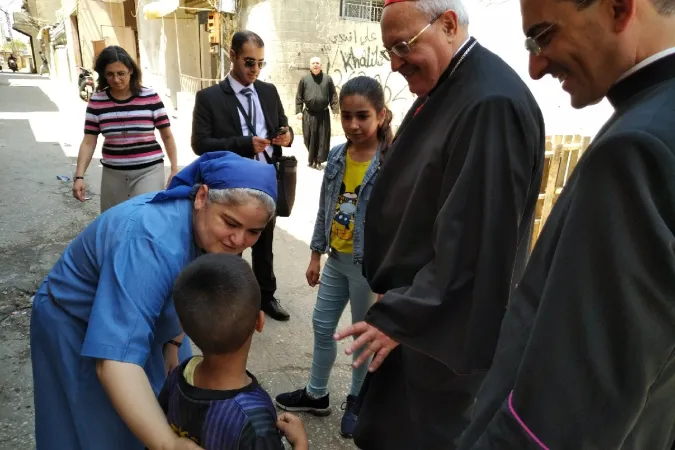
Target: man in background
315,92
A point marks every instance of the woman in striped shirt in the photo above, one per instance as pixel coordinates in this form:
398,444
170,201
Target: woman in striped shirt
127,114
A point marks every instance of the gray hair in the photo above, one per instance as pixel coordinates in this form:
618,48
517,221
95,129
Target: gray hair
239,196
432,8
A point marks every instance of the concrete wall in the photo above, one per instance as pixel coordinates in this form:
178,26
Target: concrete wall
84,22
44,10
170,48
61,67
67,14
98,20
295,30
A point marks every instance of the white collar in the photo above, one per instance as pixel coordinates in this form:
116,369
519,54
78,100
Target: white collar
237,86
655,57
462,46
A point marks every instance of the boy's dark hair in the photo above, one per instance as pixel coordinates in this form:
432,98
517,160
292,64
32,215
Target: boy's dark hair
113,54
217,300
241,37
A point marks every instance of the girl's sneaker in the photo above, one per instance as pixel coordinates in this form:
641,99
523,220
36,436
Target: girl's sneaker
300,401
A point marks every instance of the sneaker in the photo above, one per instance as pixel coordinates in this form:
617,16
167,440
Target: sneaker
300,401
348,424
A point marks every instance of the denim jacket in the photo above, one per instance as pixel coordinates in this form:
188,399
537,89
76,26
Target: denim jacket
330,191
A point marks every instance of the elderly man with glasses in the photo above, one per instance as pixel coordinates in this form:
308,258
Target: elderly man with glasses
586,356
245,115
447,229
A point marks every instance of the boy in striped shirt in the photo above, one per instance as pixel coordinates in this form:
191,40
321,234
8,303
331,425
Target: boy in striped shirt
213,399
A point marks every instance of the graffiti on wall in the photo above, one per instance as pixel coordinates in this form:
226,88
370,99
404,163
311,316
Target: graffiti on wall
374,62
361,53
353,37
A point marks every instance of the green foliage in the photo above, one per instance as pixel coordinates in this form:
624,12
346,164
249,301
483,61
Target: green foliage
14,46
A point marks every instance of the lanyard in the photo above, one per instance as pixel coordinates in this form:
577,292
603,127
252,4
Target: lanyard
250,126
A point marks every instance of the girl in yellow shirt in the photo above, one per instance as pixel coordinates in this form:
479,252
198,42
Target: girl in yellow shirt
348,179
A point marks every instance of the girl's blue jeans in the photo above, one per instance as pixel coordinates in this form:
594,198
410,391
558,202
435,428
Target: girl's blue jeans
341,282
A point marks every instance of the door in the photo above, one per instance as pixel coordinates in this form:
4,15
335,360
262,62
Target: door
98,47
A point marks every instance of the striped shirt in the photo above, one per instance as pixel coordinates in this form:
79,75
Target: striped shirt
242,419
128,127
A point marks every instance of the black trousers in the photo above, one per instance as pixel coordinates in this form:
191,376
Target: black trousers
263,267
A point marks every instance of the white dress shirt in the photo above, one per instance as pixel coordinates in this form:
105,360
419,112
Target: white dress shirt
260,127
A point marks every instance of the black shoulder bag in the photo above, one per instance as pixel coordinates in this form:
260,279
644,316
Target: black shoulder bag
287,173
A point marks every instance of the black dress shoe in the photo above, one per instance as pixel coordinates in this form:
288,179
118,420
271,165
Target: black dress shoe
273,309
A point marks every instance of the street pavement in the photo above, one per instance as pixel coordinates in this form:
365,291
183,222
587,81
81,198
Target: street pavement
40,130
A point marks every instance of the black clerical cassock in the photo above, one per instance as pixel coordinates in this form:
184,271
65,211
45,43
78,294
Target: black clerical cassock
447,233
315,94
586,359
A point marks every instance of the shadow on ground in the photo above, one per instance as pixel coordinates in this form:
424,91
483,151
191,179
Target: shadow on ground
37,220
24,96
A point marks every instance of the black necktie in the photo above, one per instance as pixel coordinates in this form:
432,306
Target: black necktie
251,110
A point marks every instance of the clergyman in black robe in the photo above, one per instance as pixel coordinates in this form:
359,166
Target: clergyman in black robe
447,230
586,355
316,92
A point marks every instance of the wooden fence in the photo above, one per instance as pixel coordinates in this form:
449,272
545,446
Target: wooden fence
562,155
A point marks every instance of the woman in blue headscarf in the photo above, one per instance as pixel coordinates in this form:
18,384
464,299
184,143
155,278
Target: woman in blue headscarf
103,330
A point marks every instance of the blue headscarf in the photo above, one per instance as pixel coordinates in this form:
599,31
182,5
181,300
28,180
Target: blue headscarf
221,170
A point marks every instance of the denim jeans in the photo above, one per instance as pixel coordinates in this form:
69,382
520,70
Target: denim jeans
341,282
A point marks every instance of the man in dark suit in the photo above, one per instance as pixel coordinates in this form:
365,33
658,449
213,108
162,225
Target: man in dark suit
245,116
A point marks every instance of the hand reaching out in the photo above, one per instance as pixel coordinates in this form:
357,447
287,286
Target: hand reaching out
294,431
373,341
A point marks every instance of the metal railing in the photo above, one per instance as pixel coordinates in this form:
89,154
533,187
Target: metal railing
367,10
194,84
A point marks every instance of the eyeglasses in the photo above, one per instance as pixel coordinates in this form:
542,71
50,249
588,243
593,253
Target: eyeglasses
250,62
533,45
402,49
121,75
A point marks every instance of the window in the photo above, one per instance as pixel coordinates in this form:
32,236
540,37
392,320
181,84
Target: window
367,10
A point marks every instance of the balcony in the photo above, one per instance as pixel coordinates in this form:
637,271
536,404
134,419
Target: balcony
363,10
